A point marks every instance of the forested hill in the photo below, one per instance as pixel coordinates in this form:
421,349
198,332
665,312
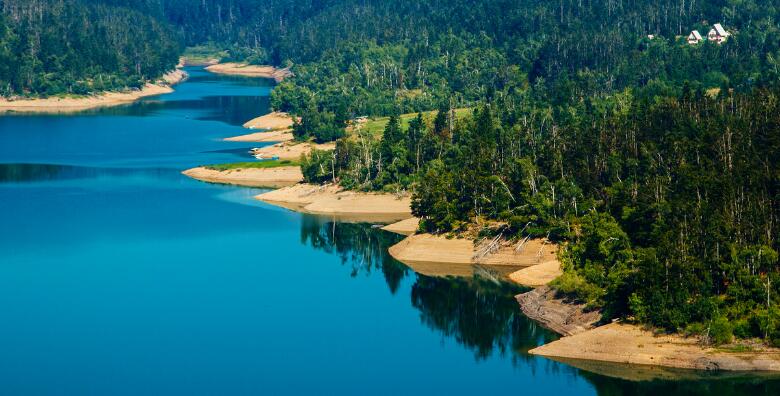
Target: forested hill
412,54
52,47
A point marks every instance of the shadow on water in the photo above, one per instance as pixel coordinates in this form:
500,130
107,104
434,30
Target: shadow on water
482,316
361,246
478,313
30,173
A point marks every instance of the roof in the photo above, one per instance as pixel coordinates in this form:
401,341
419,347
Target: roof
721,31
695,35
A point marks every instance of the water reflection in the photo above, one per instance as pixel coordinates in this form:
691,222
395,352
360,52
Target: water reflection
479,313
29,173
361,246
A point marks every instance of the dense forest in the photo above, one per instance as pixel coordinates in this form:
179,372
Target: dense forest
50,47
591,122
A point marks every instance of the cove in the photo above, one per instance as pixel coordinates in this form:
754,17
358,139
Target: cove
119,275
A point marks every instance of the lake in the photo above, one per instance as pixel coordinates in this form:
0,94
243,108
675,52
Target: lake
119,275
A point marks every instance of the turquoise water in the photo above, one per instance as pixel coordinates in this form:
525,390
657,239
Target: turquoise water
120,276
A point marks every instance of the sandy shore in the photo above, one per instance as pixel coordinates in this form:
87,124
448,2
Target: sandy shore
251,177
630,344
263,137
274,127
404,227
271,122
107,99
330,200
292,150
242,69
537,275
436,255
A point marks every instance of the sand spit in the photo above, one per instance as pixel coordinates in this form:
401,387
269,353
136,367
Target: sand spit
243,69
263,137
630,344
274,127
331,200
436,255
563,317
271,122
292,150
250,177
537,275
404,227
107,99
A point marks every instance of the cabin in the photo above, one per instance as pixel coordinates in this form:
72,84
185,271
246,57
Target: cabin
718,34
694,37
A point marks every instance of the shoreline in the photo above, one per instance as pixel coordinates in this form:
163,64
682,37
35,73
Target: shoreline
106,99
632,345
276,177
437,255
273,127
246,70
627,350
332,201
291,150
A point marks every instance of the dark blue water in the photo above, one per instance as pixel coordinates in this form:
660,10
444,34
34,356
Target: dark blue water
120,276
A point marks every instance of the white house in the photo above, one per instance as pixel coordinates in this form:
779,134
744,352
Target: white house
718,34
694,37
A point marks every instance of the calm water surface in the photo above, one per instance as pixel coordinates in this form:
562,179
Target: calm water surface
120,276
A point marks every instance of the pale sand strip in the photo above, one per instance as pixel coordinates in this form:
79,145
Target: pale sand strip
436,255
263,137
331,201
243,69
537,275
292,150
271,121
107,99
250,177
404,227
630,344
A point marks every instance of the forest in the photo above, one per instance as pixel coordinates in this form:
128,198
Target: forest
79,47
653,161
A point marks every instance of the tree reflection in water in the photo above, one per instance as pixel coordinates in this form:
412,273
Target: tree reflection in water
478,313
359,245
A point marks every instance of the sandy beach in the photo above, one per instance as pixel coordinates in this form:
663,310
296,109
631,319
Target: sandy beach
631,344
332,201
263,137
271,122
273,127
292,150
243,69
537,275
404,227
250,177
106,99
437,255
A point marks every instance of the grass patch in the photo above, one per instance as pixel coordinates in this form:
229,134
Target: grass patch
204,53
252,165
376,126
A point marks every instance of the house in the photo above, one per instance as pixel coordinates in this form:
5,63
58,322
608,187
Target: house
694,37
718,34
